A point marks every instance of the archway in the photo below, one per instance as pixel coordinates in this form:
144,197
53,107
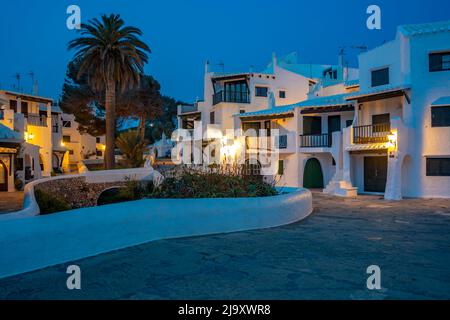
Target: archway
313,175
55,162
3,177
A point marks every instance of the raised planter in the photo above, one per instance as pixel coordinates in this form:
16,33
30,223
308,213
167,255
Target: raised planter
39,241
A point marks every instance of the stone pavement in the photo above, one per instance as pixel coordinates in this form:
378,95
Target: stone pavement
322,257
10,201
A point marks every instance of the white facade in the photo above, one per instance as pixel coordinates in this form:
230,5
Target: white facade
80,146
388,133
42,150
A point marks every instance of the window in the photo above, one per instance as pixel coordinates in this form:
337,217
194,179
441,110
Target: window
99,153
212,118
440,116
348,123
380,77
71,152
241,111
312,125
13,105
24,107
280,167
439,61
438,167
261,91
66,138
282,94
236,91
97,140
67,124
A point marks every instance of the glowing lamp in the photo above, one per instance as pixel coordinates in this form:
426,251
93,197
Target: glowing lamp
392,139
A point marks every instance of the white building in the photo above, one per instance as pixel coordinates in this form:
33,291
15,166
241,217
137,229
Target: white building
38,140
80,146
388,133
38,125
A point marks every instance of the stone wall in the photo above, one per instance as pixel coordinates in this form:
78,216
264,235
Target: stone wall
76,191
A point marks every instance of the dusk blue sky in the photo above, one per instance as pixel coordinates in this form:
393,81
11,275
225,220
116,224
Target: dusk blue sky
184,34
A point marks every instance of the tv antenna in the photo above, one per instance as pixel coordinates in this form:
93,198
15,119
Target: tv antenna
17,77
221,66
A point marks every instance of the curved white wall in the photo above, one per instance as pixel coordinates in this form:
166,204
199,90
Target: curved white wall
36,242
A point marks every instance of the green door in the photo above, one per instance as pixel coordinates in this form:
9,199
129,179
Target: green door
313,176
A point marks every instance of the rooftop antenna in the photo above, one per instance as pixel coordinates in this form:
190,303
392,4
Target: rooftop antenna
361,48
17,76
31,74
222,66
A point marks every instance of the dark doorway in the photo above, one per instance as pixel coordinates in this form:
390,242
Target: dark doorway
3,177
313,176
312,125
334,124
375,173
381,122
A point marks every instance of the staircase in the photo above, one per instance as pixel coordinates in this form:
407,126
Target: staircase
340,187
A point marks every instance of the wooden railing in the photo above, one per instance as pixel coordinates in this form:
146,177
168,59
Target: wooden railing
375,133
316,140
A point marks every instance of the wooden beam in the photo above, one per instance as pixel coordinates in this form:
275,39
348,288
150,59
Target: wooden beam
380,96
268,117
327,109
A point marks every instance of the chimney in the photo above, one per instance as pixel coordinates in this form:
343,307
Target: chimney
274,59
207,66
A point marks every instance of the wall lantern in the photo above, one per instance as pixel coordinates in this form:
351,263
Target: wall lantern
392,140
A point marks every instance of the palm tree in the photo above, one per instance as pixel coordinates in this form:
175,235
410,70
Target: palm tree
112,57
132,147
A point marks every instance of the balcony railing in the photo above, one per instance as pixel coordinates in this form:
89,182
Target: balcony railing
189,109
36,120
375,133
316,140
231,96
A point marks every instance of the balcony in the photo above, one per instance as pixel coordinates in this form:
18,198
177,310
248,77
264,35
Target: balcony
316,140
231,96
36,120
188,109
284,143
375,133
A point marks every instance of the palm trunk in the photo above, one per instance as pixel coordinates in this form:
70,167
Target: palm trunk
110,106
142,128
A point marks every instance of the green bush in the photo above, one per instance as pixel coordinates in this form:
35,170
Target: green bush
194,184
49,203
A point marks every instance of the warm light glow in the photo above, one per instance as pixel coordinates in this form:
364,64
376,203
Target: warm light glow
103,147
63,144
392,138
28,136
